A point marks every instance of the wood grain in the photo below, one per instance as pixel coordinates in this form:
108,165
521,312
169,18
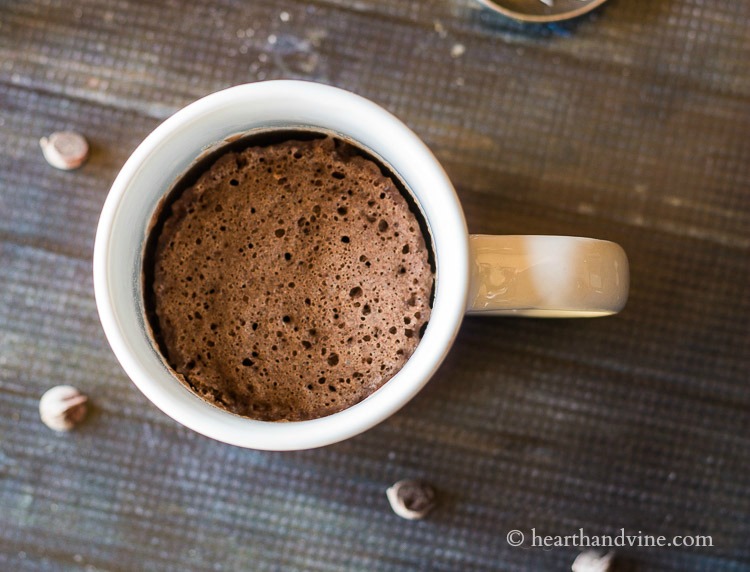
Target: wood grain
629,124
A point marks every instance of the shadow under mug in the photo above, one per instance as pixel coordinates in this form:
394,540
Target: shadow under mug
534,276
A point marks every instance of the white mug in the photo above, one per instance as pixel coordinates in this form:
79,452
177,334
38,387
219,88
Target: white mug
538,276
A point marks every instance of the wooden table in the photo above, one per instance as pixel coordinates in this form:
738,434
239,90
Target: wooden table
631,124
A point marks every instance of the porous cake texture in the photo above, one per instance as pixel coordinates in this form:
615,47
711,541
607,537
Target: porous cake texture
290,281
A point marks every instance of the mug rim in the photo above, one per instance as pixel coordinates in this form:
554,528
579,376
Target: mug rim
440,207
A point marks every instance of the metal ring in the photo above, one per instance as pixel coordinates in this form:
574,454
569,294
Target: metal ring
524,17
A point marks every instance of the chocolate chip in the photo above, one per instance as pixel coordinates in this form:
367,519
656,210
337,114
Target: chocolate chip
66,150
411,499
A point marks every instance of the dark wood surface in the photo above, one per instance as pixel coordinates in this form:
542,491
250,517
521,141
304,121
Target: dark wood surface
631,124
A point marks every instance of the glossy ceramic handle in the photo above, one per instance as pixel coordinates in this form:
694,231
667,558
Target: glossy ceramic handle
547,276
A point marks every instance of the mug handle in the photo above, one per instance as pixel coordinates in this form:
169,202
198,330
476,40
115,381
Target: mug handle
547,276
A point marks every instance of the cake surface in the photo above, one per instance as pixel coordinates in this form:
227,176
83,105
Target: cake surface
290,281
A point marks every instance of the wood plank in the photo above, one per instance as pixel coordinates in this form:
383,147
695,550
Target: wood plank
629,124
